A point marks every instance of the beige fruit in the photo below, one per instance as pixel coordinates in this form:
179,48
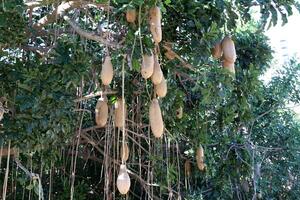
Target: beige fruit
157,75
147,66
228,48
200,157
119,120
107,71
130,15
217,51
229,66
162,88
201,166
123,180
155,118
101,112
179,112
125,152
155,24
187,168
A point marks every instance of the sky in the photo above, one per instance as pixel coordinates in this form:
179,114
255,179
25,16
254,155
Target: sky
285,41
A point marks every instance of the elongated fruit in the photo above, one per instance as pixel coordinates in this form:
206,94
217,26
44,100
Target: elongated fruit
187,168
125,152
229,66
157,75
123,180
119,118
147,66
107,71
162,88
200,158
228,48
155,24
101,112
217,51
130,15
155,118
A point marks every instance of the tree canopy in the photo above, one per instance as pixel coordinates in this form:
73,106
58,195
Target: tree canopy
52,54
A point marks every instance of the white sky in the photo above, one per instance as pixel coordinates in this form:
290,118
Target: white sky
285,41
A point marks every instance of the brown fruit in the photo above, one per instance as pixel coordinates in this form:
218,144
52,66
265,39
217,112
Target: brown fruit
130,15
162,88
124,152
155,23
123,180
228,48
179,112
200,158
157,75
101,112
170,55
147,66
107,71
187,168
217,51
229,66
119,120
155,118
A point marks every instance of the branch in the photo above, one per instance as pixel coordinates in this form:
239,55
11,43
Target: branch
13,151
60,10
96,94
185,64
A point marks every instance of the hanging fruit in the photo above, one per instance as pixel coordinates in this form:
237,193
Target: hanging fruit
147,66
107,71
101,112
162,88
131,15
229,66
217,51
187,168
179,112
155,118
155,24
200,158
124,152
119,116
123,180
157,75
229,53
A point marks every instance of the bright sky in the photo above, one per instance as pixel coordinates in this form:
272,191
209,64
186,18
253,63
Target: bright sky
285,41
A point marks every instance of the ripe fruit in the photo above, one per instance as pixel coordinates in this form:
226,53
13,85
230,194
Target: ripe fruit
200,158
187,168
119,117
157,75
162,88
155,118
107,71
101,112
229,66
155,23
217,51
123,180
130,15
147,66
124,152
228,48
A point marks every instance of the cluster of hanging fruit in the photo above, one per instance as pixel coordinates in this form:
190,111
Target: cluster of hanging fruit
199,160
225,50
150,68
